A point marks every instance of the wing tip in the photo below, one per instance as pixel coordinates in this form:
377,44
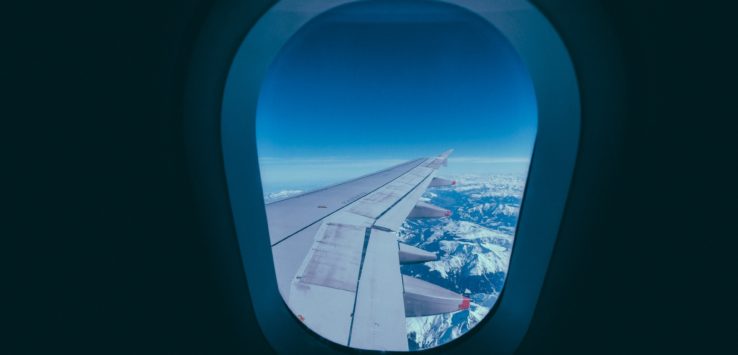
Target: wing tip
446,153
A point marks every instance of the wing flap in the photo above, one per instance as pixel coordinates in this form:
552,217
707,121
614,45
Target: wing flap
326,311
379,318
335,258
323,292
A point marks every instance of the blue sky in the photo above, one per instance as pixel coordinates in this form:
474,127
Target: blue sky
377,83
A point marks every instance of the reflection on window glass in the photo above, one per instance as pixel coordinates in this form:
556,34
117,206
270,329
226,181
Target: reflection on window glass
394,139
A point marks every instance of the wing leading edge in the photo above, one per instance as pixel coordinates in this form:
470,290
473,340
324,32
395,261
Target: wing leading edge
337,256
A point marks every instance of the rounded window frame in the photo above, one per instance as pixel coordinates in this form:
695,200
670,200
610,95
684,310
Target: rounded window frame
212,94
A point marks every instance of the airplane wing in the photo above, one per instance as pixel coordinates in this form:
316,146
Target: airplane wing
337,256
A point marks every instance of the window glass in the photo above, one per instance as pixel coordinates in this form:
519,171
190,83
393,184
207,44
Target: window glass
388,86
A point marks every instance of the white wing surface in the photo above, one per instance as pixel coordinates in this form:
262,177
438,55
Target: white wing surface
337,256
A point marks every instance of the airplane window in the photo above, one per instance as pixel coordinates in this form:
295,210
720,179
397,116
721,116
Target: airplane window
394,141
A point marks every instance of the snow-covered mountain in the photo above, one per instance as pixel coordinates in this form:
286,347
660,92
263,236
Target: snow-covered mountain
474,246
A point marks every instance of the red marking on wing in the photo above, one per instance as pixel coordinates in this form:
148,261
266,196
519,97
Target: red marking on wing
464,304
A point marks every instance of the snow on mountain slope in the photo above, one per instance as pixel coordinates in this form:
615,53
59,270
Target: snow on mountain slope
474,246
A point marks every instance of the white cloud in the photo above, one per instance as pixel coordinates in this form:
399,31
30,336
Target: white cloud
275,196
488,160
